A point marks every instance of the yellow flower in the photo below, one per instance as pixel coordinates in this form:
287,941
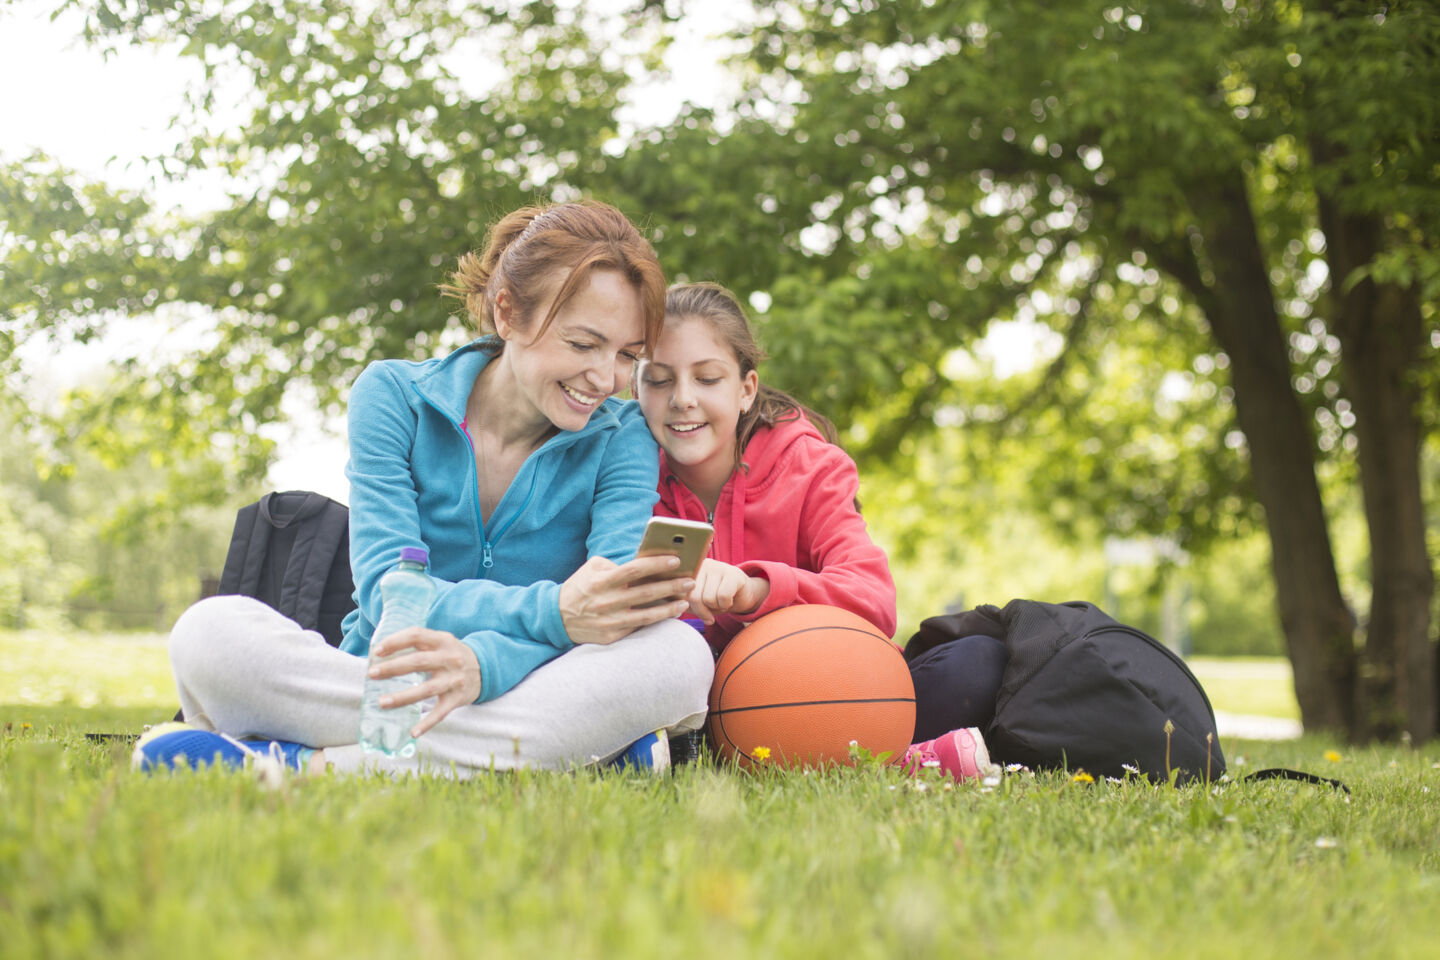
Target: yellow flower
1332,755
24,726
761,753
1082,777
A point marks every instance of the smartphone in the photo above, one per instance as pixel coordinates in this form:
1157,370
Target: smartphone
687,539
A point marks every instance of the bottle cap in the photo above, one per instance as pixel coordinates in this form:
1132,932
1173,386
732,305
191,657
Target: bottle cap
414,555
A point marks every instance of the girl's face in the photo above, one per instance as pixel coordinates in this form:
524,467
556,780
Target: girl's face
692,394
584,356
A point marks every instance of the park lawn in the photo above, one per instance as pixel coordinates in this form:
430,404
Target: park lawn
85,669
1257,686
98,861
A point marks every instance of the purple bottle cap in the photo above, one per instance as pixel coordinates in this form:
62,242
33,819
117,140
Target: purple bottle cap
414,555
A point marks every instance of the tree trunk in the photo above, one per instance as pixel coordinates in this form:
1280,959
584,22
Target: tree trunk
1381,339
1318,625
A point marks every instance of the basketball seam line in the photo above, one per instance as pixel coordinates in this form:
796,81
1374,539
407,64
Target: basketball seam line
813,703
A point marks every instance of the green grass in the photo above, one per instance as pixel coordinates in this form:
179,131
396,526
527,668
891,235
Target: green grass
98,861
85,669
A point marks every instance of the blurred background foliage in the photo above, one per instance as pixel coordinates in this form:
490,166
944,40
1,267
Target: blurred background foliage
894,187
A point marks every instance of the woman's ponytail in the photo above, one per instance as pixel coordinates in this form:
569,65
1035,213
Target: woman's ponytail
475,274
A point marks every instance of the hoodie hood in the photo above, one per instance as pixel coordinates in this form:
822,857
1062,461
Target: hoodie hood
788,515
759,469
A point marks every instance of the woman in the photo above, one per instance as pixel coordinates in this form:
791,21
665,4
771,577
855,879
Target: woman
766,472
530,487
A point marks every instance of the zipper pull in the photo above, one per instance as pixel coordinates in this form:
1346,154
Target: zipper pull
710,517
486,560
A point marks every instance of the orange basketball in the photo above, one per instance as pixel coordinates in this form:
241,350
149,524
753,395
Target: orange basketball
803,682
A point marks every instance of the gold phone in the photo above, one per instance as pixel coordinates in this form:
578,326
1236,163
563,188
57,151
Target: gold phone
687,539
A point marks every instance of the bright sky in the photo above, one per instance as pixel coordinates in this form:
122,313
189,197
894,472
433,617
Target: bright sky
64,99
101,116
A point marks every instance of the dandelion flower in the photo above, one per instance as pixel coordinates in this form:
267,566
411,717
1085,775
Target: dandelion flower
1082,777
761,753
1332,755
24,726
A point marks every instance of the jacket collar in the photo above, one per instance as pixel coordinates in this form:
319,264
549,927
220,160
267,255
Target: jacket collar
447,382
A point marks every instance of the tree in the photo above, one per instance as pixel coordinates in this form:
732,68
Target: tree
374,157
1244,151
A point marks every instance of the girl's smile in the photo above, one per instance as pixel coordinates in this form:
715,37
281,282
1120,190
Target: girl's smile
692,394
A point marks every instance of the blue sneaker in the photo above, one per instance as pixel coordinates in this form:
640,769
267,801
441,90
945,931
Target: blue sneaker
650,754
168,745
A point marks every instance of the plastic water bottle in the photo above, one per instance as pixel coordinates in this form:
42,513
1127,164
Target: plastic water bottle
406,594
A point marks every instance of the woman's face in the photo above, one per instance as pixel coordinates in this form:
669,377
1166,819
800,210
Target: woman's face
585,355
692,394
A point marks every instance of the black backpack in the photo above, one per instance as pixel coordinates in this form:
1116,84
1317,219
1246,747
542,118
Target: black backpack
1081,691
291,551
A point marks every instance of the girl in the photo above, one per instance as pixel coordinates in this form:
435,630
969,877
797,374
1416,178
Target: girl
530,488
761,468
766,472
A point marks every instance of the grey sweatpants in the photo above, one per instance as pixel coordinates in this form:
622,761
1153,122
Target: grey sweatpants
243,669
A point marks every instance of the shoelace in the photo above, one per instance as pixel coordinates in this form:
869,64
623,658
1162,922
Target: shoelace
920,759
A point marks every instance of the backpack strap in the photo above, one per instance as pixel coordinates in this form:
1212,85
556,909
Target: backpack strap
245,558
935,631
1281,773
324,524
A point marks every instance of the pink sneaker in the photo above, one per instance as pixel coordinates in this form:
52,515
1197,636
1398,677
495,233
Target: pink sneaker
960,753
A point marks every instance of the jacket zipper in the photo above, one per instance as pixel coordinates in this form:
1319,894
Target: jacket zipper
487,560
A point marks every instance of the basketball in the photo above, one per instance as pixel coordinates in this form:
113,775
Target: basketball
798,685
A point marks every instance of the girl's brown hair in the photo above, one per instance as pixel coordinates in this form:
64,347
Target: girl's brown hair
525,249
721,309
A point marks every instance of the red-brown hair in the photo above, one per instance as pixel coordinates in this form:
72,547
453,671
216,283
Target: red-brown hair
526,250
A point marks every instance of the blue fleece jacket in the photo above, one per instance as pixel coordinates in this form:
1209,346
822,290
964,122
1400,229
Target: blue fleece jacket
413,484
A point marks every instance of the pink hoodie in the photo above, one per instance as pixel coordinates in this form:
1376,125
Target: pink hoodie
791,518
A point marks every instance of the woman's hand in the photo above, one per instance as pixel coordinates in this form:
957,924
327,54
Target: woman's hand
722,588
454,671
602,602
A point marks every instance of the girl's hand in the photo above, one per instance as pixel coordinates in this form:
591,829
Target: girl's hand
453,669
722,588
602,602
